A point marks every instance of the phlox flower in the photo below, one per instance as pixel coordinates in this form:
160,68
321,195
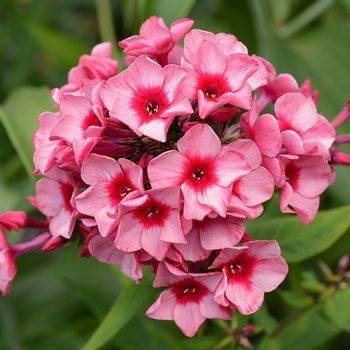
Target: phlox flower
215,80
204,169
110,182
304,131
80,125
147,97
306,178
157,41
150,222
249,271
189,299
55,196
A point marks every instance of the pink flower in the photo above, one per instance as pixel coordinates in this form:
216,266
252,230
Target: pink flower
248,272
156,40
110,183
97,66
188,300
204,170
46,149
8,267
304,131
249,192
150,222
80,125
147,97
55,198
103,249
12,220
210,234
227,44
306,178
216,80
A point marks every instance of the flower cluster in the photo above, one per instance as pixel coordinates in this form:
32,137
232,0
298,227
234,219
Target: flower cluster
163,163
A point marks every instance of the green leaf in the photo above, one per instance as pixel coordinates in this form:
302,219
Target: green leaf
171,10
131,299
62,49
313,327
295,299
337,309
19,115
298,241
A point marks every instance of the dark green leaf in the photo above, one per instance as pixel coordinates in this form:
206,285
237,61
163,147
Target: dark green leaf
128,303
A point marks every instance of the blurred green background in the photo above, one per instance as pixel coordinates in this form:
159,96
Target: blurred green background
58,300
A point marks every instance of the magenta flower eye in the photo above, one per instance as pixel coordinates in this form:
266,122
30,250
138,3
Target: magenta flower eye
160,166
152,108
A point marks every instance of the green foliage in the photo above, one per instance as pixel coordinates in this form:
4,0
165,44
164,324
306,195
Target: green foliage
19,116
131,300
295,237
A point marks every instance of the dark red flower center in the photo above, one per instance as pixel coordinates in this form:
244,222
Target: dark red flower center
213,86
198,174
152,213
189,290
119,188
152,108
292,174
236,268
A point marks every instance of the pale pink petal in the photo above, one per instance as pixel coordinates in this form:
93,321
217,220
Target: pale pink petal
180,27
129,234
168,169
156,128
163,307
172,231
210,61
193,250
188,325
267,135
199,142
239,68
244,295
173,77
151,242
268,274
211,309
220,233
306,208
215,197
256,187
296,111
292,142
63,223
164,277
